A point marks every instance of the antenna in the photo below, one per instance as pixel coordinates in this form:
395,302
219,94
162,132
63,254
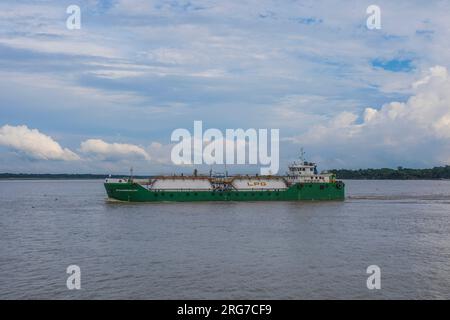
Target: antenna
302,155
131,173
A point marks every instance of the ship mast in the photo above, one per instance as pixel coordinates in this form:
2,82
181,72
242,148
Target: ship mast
302,155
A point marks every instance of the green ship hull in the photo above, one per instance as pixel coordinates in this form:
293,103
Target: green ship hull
134,192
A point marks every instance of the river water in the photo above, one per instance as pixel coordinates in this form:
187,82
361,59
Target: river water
265,250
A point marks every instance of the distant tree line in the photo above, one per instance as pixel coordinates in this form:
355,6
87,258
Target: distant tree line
61,176
392,174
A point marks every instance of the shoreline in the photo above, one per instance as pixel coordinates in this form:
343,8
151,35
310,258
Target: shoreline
99,177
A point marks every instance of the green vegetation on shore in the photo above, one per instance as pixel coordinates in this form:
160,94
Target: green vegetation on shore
60,176
394,174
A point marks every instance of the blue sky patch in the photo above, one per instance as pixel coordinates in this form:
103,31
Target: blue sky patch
308,20
394,65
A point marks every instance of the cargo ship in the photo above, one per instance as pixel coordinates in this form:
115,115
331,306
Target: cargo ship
302,182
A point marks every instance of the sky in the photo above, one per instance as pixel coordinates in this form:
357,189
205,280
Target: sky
106,97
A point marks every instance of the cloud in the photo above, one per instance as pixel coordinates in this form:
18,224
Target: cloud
113,151
34,143
435,72
59,46
161,65
417,129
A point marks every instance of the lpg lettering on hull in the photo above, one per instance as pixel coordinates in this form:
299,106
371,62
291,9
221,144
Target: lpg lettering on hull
254,184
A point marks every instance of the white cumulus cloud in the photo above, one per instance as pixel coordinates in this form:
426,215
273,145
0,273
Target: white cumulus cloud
34,143
105,150
417,129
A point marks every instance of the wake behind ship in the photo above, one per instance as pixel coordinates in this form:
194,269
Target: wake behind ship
301,183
